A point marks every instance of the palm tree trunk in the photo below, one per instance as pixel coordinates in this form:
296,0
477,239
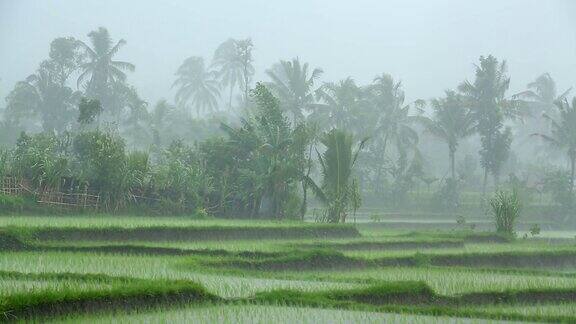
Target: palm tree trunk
230,100
304,206
383,157
305,186
452,154
572,170
246,84
484,184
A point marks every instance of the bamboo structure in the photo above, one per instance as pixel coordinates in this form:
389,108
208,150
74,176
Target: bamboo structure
71,200
11,186
82,200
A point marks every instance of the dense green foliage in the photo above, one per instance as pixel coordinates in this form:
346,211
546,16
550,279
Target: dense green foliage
292,198
489,108
257,157
339,190
563,133
10,204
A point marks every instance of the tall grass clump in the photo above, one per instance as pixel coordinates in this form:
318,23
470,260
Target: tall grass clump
505,208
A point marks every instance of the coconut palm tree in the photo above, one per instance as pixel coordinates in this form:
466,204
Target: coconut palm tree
489,105
386,93
339,190
452,121
197,85
136,123
245,53
542,91
101,68
539,99
339,104
227,59
394,123
294,85
562,135
391,124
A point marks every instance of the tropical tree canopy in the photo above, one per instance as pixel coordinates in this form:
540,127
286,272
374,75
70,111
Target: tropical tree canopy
339,104
562,134
228,60
489,105
294,84
451,122
197,86
543,90
101,69
45,93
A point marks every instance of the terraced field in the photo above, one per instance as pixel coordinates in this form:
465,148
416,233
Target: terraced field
136,269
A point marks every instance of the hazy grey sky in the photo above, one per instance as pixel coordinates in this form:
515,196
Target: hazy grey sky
429,45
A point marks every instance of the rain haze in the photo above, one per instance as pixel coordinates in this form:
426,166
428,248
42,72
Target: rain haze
296,161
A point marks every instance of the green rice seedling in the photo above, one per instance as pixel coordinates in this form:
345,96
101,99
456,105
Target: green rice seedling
21,305
152,267
260,314
445,281
551,310
46,274
487,248
10,286
123,221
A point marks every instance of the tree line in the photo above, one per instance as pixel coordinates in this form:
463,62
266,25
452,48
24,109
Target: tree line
230,147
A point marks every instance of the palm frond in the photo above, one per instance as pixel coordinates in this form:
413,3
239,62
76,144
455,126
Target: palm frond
125,66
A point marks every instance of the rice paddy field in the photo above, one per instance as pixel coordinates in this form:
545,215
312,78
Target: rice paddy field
121,269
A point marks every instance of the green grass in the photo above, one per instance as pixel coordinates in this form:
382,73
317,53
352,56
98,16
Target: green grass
65,299
259,314
329,260
562,309
10,287
446,281
133,295
265,245
122,230
107,221
343,277
469,248
419,298
151,267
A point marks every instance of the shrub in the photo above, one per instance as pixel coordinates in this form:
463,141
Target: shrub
11,203
376,218
101,157
41,158
461,220
505,208
202,213
535,229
